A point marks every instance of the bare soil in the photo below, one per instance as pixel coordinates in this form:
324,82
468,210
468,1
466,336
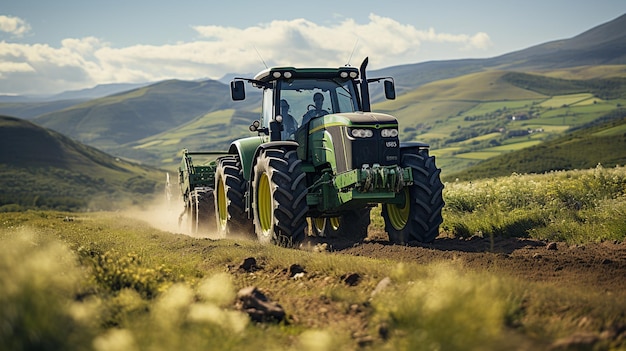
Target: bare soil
599,266
594,267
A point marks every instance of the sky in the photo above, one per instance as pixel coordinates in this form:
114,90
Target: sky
48,47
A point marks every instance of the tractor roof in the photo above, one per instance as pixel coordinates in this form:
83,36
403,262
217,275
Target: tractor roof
274,73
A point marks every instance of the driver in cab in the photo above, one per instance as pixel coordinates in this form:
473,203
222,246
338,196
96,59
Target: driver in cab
317,111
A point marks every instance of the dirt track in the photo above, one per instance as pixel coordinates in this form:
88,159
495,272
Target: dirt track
600,266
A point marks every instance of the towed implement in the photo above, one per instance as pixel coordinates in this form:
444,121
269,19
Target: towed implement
320,160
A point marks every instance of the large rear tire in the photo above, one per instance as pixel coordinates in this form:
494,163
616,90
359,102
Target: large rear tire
419,217
230,187
279,198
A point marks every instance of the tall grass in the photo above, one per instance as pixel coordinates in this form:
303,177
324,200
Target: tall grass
572,206
446,308
106,282
49,301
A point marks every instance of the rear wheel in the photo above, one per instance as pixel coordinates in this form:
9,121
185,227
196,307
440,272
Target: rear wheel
200,211
279,198
351,225
419,216
325,226
230,187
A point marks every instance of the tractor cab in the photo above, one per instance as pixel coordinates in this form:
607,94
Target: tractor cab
292,97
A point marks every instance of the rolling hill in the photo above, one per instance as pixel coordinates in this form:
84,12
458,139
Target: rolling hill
601,142
468,110
40,168
483,115
31,106
600,46
133,115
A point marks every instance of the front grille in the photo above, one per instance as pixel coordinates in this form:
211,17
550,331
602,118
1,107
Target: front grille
376,149
352,153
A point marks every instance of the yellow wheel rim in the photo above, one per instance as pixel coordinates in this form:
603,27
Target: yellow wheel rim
399,215
334,223
221,203
265,208
319,223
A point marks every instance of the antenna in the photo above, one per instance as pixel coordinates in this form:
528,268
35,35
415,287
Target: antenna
261,57
352,53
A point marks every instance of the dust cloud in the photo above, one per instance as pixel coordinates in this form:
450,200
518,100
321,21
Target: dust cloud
160,214
167,214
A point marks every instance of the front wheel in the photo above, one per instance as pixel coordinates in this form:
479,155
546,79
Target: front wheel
419,216
279,199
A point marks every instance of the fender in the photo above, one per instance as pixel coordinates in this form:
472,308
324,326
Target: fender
285,144
246,150
412,147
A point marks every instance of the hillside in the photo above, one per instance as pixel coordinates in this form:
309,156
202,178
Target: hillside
44,169
31,109
139,113
461,117
468,110
597,143
482,115
213,131
600,46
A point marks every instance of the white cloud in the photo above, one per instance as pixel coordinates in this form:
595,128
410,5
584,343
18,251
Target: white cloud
79,63
479,41
14,25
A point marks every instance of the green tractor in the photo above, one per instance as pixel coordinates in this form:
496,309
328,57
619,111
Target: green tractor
320,161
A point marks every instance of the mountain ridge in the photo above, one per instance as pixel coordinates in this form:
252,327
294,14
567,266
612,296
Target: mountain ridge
134,123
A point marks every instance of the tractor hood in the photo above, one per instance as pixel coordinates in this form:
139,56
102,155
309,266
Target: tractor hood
354,119
369,118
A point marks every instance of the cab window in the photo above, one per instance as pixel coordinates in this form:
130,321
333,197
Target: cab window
268,107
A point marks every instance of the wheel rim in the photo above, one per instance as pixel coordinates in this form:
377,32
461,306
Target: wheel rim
318,223
265,208
221,203
399,215
334,223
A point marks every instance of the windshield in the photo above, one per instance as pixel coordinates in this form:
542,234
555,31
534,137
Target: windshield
310,98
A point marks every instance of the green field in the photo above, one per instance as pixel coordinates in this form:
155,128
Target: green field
110,281
478,155
480,130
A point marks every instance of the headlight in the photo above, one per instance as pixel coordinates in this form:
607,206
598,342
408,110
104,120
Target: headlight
348,73
389,133
362,133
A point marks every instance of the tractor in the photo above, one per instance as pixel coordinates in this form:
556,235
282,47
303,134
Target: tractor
319,162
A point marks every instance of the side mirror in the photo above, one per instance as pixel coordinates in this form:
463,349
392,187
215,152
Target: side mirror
237,90
390,90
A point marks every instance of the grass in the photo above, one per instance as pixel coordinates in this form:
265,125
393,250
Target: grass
564,100
478,155
601,141
574,206
107,281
